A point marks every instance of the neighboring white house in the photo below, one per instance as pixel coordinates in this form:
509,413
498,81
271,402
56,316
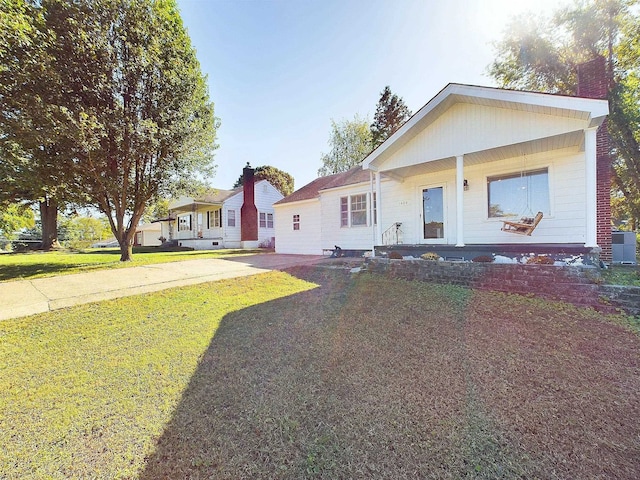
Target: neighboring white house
218,220
468,160
148,235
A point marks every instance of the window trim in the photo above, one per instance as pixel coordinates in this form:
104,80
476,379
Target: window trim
182,223
231,216
347,211
296,222
265,220
516,174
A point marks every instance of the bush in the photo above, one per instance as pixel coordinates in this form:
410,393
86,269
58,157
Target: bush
540,260
430,256
395,256
483,259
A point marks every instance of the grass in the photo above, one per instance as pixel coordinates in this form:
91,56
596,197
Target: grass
317,374
622,275
20,266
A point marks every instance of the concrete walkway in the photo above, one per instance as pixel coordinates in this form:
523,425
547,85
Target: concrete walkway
28,297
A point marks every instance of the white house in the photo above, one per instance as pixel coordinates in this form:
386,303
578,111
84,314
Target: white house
469,160
238,218
148,235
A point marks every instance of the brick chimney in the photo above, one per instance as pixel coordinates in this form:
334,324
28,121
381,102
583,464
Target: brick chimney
593,83
248,212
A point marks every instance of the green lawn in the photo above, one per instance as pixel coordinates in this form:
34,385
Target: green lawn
22,266
316,373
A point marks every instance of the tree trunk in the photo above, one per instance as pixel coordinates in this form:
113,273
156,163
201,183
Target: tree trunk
49,220
126,249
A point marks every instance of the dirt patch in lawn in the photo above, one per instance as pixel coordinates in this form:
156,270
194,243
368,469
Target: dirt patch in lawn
366,377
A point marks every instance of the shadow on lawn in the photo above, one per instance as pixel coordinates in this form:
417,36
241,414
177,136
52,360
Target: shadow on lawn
303,387
371,378
18,272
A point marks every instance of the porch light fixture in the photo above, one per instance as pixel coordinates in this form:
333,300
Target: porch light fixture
466,184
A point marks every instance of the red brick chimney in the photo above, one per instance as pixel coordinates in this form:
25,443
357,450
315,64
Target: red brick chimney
593,83
248,212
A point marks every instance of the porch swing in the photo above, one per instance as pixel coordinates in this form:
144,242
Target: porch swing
527,223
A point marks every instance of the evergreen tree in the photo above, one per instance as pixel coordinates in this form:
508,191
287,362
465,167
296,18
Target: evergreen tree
391,113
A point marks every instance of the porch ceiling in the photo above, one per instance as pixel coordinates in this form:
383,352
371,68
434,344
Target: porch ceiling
571,140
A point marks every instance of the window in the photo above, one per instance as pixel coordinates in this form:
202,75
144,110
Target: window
353,210
213,221
344,212
519,194
184,223
231,218
266,220
296,222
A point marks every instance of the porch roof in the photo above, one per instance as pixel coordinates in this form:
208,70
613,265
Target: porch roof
212,199
584,112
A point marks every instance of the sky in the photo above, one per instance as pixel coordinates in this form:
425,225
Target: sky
280,70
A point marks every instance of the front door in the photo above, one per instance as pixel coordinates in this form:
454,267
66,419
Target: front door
433,214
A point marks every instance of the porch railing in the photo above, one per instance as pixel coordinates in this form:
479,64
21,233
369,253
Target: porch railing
392,235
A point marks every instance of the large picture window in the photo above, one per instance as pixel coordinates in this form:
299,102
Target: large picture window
353,210
519,194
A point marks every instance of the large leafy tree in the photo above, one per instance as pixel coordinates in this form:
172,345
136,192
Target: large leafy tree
32,153
131,111
350,143
542,54
391,113
280,179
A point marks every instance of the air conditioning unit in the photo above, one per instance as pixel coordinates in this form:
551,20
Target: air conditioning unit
623,247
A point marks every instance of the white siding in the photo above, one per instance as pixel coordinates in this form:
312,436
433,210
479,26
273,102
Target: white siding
306,240
264,199
466,128
265,196
348,238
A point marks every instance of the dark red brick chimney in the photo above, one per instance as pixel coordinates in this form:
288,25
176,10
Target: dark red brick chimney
594,83
248,212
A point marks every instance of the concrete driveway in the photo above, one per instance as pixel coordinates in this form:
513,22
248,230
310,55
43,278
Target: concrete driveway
28,297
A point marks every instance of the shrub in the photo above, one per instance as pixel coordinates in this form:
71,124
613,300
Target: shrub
540,260
483,259
430,256
395,255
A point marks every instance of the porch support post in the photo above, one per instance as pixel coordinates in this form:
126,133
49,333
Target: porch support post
459,200
372,215
591,187
378,209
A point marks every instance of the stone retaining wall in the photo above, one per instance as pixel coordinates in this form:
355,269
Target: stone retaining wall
576,285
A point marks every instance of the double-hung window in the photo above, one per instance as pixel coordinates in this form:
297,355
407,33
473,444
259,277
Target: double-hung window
231,218
214,219
296,222
353,210
266,220
519,194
